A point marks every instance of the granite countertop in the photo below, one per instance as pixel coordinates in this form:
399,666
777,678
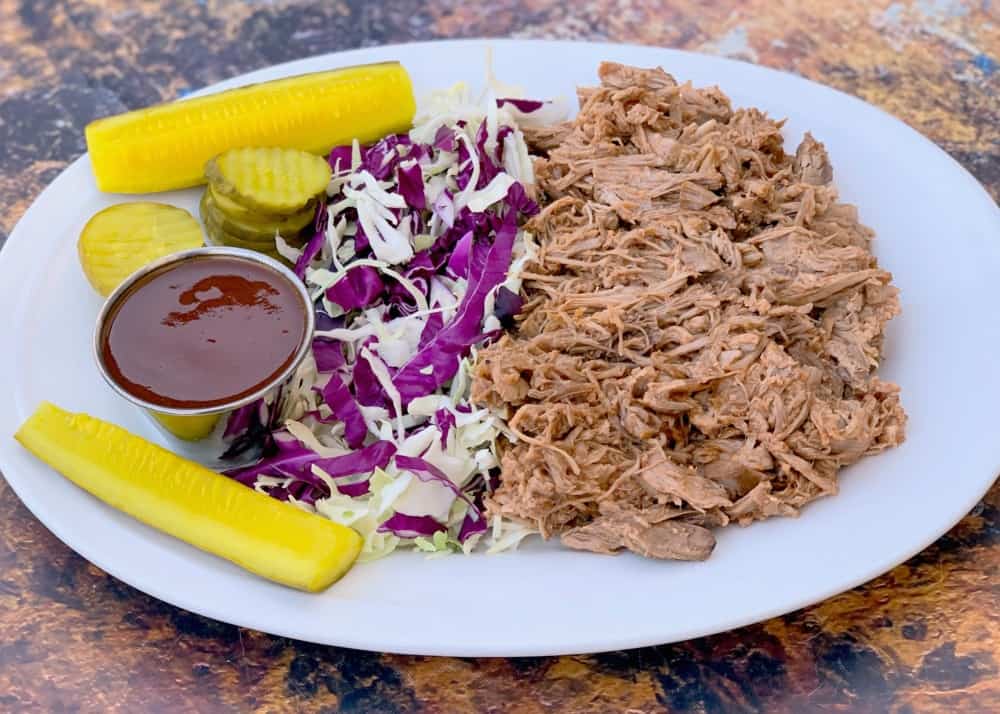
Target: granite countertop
923,637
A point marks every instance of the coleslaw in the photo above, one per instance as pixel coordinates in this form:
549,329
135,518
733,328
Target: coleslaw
415,262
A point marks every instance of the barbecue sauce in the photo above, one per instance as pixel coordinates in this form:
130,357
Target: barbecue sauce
203,332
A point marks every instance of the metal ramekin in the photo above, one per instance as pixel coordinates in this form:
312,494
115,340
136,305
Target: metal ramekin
227,435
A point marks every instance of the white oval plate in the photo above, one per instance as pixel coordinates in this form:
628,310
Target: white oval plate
938,232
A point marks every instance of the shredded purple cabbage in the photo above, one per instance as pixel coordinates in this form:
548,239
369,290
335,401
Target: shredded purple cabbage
338,397
460,258
405,526
296,462
522,105
359,288
340,159
315,244
488,268
411,185
426,471
506,306
329,354
445,421
458,263
473,523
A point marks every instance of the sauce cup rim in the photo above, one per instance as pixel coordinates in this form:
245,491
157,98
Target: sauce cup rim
172,259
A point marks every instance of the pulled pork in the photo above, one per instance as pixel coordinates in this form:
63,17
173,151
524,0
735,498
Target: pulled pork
700,332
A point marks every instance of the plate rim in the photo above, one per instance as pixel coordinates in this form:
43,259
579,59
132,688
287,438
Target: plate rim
17,244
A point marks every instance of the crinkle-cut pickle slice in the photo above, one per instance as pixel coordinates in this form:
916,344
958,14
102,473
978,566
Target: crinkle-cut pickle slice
273,539
165,147
236,210
221,239
216,235
256,229
120,239
269,180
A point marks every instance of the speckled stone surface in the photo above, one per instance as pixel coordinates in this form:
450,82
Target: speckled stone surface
924,637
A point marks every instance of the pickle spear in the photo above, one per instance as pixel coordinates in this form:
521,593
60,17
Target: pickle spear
166,146
272,539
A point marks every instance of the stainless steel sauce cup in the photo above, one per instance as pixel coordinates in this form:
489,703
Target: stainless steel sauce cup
227,435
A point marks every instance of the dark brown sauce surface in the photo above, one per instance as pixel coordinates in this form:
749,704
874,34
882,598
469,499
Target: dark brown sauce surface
203,332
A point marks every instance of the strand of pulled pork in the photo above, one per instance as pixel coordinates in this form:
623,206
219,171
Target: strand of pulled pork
700,332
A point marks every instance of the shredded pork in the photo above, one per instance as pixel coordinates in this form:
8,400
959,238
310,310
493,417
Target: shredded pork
701,327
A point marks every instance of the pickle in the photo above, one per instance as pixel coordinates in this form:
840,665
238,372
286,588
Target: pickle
123,238
184,499
253,228
229,207
216,235
165,147
269,180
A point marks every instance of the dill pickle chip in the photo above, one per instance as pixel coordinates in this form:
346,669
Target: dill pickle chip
231,208
252,228
269,180
125,237
228,206
216,235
